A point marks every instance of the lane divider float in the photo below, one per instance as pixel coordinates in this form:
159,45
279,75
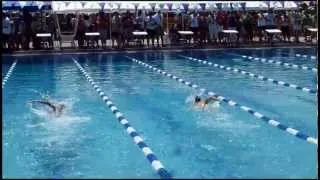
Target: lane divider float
236,70
5,79
155,162
306,56
249,110
295,66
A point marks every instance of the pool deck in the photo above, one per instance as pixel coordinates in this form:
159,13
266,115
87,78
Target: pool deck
172,48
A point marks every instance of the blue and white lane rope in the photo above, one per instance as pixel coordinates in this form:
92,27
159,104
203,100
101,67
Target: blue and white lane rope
5,79
295,66
236,70
155,162
256,114
306,56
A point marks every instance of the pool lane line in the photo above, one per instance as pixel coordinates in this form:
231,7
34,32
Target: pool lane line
236,70
155,162
256,114
264,60
306,56
5,79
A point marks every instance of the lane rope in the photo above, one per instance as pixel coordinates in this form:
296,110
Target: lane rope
5,79
239,71
294,66
249,110
306,56
151,157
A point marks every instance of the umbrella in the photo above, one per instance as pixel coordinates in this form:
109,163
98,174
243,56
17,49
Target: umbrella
256,5
127,6
31,5
58,6
11,5
276,5
74,6
92,6
290,5
146,6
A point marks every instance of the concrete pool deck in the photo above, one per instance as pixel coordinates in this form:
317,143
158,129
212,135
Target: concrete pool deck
173,48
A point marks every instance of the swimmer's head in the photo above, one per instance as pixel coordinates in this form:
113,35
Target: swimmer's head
197,99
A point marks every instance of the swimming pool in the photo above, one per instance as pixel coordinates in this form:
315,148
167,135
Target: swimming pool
239,139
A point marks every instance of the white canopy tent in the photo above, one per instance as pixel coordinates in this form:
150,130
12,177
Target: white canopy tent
290,5
65,6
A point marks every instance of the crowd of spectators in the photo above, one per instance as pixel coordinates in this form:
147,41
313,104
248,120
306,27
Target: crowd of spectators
20,28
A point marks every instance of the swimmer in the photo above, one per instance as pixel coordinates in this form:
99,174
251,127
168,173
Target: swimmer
56,108
204,103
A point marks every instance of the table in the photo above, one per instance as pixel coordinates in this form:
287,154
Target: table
271,33
313,32
139,37
140,33
45,39
43,35
92,37
186,34
92,34
227,34
312,29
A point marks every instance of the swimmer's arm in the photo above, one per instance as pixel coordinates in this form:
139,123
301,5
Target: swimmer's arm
47,103
210,99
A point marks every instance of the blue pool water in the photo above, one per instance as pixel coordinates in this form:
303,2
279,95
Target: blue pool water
224,142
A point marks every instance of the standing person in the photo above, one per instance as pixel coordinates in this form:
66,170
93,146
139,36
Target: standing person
36,28
194,26
261,25
102,28
140,24
211,27
80,31
127,24
178,21
27,18
151,28
116,29
51,29
203,28
159,30
18,26
285,27
248,26
297,21
270,20
6,30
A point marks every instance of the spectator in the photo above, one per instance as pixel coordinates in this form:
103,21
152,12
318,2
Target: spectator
178,21
116,29
151,28
203,28
297,21
285,27
80,36
27,18
140,23
270,17
127,25
102,28
159,30
194,26
261,23
6,30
